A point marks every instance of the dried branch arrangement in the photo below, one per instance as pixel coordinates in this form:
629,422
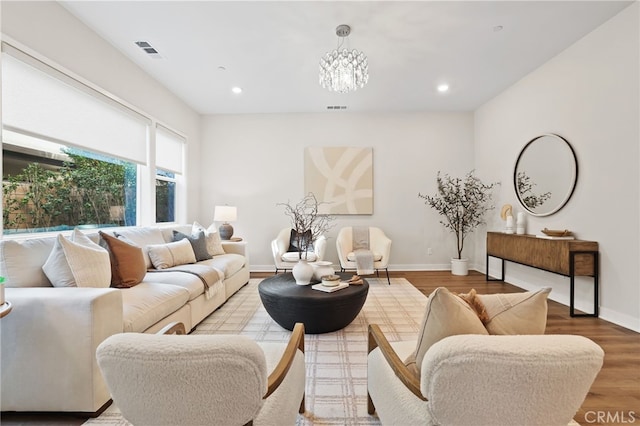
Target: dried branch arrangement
307,221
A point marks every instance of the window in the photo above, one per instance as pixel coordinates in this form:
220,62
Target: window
47,186
169,153
165,196
74,154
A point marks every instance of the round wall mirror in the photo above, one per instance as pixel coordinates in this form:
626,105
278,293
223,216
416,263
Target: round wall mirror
545,174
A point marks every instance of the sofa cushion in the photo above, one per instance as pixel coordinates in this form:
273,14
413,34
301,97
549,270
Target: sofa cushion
167,231
192,277
198,243
21,261
228,264
148,303
171,254
142,237
516,313
214,242
78,262
446,315
128,266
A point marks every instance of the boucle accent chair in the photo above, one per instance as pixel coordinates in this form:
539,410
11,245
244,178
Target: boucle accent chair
204,379
379,244
285,260
482,379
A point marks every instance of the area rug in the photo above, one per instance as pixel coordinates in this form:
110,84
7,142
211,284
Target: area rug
336,389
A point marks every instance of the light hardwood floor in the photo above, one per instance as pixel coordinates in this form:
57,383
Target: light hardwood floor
615,392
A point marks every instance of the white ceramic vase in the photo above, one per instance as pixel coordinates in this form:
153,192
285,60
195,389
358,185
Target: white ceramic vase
460,266
321,268
302,272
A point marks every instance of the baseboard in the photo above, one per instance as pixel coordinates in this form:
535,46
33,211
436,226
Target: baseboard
397,267
622,320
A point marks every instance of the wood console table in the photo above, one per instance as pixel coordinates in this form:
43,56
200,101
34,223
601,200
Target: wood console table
570,258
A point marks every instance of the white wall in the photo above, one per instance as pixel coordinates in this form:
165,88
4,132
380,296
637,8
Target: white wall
47,28
256,161
589,94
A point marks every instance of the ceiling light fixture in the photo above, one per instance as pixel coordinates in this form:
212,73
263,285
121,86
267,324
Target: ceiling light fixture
442,88
236,90
343,71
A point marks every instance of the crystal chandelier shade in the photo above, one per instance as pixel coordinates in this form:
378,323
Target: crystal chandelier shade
344,71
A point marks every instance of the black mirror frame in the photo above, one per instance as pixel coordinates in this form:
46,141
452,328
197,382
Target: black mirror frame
515,176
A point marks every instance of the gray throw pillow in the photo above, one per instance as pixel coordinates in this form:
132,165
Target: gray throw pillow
198,243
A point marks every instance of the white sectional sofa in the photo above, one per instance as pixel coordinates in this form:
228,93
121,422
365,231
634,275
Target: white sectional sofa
49,340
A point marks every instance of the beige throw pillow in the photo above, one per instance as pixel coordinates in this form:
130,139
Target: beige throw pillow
446,315
78,262
214,242
516,313
165,256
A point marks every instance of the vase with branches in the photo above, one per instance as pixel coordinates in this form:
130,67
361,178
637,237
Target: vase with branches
307,222
308,225
463,202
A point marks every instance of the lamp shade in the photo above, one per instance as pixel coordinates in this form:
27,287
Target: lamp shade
225,214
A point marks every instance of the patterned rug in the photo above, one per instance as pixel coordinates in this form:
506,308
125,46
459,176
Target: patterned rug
336,389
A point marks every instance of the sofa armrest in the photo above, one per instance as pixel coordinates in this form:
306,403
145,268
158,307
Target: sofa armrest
237,247
48,345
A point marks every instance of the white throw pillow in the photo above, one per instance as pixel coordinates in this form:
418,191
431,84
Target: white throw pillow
165,256
214,242
78,262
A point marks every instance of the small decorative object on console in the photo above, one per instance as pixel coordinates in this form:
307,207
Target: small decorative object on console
557,233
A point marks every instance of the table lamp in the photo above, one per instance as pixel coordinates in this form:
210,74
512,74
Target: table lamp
225,214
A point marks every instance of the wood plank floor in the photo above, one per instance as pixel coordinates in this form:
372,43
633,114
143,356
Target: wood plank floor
614,398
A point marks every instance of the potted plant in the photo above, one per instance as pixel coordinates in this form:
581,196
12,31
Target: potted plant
463,203
308,225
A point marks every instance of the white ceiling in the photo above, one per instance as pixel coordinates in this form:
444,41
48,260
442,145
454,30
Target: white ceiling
272,49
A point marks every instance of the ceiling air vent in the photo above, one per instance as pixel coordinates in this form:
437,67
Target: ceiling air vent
336,107
150,50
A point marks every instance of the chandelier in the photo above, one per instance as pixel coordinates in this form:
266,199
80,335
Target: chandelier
343,71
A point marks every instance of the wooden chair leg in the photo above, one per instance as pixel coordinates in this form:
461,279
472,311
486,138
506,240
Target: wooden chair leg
301,410
388,280
371,409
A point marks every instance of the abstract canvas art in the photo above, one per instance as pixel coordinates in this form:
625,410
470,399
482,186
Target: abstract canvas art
341,178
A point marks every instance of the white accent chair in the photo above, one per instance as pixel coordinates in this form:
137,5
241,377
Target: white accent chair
285,260
482,380
379,244
204,379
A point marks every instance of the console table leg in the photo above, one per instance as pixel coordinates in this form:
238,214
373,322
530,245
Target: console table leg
487,277
572,260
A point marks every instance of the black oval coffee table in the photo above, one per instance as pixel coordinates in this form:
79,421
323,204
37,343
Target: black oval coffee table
287,303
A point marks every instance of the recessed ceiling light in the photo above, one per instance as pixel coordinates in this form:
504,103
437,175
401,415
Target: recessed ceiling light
497,28
442,88
221,68
237,90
